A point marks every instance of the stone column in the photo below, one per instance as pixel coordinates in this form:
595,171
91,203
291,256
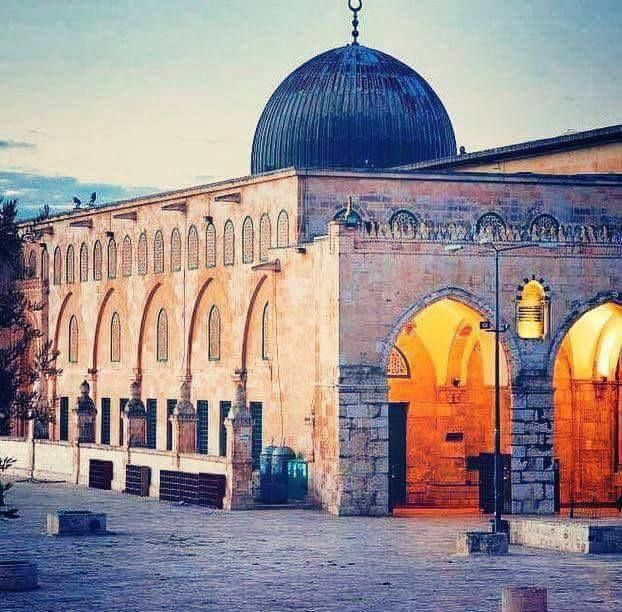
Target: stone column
363,479
533,476
184,421
134,419
84,417
239,466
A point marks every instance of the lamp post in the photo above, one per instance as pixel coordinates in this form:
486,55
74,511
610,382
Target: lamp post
497,526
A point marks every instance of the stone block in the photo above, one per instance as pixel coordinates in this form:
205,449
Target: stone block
17,575
76,522
524,599
481,543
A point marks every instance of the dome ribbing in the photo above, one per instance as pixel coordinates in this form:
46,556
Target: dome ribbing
352,107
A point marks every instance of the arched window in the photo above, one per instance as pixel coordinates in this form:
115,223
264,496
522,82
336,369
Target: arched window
175,251
353,216
210,246
112,258
126,257
228,244
404,224
84,263
282,230
213,334
142,254
398,364
158,253
248,240
162,336
532,310
32,264
69,265
265,237
58,266
193,248
115,338
73,340
45,264
97,261
491,227
544,228
265,332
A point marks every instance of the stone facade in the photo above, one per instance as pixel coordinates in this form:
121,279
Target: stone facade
309,310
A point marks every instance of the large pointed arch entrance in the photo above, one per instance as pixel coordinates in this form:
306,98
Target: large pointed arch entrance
588,413
441,391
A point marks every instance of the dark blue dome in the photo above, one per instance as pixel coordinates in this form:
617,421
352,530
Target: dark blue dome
352,107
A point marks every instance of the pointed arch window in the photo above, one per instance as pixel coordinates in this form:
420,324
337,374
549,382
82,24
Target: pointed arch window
115,338
248,241
162,336
32,264
175,251
210,246
213,334
73,340
265,333
126,257
158,253
112,258
193,248
532,310
265,237
97,261
282,230
398,364
69,265
45,264
142,254
228,241
58,266
84,263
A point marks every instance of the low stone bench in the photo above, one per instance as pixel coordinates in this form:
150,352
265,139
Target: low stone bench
567,535
481,543
76,522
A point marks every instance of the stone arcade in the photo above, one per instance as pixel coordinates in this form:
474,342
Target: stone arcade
314,304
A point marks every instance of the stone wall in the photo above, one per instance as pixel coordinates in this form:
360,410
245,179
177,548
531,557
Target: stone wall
363,442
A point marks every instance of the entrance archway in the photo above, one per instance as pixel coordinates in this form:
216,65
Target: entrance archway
587,436
441,393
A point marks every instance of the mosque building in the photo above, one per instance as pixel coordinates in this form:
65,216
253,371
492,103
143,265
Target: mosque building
338,302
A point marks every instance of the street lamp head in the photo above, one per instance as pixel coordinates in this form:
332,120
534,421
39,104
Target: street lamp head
485,241
452,248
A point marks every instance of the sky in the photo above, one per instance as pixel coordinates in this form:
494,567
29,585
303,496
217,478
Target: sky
127,97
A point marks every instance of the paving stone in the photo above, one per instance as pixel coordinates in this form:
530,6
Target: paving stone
167,557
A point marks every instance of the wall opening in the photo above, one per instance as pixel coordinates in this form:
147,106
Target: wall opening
441,382
588,410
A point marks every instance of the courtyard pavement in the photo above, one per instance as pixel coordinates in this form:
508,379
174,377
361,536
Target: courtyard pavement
167,557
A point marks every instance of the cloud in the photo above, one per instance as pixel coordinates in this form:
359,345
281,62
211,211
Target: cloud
16,144
34,190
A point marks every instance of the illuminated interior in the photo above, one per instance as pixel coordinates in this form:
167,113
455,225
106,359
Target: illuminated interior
443,368
532,311
588,407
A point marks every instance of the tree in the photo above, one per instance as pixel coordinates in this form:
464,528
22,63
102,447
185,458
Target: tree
23,366
5,510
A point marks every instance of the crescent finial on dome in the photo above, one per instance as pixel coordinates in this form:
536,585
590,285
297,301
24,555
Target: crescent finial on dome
355,7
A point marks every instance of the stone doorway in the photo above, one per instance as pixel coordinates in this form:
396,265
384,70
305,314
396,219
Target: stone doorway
588,410
441,378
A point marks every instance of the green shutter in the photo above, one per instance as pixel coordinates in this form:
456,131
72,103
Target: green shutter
152,422
64,418
105,421
202,426
224,412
